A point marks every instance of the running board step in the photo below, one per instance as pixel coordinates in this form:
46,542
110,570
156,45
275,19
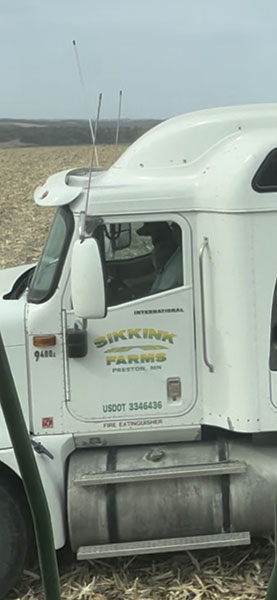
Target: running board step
220,468
157,546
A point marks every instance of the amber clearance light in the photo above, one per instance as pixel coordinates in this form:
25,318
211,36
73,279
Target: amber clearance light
44,341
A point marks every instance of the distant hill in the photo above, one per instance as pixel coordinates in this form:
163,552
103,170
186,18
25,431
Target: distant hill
24,132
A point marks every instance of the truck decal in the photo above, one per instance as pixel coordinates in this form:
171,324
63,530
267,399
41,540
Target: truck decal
47,422
137,333
44,354
132,406
142,347
132,423
129,359
141,354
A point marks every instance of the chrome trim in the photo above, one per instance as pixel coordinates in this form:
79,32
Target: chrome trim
219,540
205,470
202,297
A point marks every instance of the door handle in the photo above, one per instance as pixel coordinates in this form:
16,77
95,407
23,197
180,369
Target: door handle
202,298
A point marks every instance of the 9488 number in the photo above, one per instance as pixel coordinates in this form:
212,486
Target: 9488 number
155,405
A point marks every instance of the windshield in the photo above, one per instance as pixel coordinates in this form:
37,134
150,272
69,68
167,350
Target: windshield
47,273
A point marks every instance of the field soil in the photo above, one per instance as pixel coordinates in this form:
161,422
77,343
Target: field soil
23,225
239,573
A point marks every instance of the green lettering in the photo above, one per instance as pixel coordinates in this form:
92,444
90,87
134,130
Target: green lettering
100,341
133,358
153,333
119,335
147,358
134,333
160,357
110,359
167,337
121,360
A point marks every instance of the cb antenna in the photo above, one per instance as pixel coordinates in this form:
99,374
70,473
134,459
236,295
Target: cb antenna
86,101
118,118
97,118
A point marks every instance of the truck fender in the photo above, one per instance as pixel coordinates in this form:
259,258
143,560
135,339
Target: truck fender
53,473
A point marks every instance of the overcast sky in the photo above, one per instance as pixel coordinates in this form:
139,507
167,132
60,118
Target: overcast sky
168,56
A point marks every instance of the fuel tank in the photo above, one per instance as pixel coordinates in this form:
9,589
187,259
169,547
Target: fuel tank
137,493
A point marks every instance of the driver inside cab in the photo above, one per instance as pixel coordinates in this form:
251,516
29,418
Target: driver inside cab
140,259
166,255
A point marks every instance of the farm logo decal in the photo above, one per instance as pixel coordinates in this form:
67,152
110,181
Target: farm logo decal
142,351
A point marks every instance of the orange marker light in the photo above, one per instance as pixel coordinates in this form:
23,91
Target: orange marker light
44,341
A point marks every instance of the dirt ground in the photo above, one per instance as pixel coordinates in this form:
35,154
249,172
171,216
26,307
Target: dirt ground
228,574
240,573
23,225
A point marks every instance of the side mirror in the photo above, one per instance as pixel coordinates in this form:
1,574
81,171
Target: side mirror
87,280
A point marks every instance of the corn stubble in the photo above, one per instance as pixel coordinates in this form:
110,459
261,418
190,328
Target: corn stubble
227,574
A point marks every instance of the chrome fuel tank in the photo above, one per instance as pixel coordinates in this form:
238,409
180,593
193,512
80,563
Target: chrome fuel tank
165,491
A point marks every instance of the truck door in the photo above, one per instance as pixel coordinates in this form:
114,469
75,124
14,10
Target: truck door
140,362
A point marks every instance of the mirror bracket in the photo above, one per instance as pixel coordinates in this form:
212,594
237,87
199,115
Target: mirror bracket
94,223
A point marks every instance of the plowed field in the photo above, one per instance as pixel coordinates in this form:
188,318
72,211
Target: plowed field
23,225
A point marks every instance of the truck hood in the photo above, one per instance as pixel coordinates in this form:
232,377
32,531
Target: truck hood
9,276
12,311
12,321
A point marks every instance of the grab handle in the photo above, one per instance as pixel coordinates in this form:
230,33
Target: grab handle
202,296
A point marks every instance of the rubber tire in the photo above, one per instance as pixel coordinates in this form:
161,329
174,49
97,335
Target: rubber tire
15,529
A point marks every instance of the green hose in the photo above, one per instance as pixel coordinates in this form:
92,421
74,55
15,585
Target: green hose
31,478
272,586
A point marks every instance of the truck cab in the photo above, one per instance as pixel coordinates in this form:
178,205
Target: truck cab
143,344
172,357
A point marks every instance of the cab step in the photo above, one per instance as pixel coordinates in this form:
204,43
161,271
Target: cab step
220,468
171,545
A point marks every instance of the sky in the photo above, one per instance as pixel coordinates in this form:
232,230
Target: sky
167,56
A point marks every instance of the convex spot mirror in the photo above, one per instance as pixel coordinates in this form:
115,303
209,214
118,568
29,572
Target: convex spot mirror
119,236
87,280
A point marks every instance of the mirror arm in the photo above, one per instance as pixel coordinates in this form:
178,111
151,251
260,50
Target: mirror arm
96,222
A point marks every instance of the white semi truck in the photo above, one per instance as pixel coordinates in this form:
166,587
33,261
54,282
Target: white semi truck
143,346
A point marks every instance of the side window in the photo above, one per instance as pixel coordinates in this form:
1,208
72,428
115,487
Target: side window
265,180
140,259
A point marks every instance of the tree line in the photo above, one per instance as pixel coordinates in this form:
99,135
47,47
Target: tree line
63,133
